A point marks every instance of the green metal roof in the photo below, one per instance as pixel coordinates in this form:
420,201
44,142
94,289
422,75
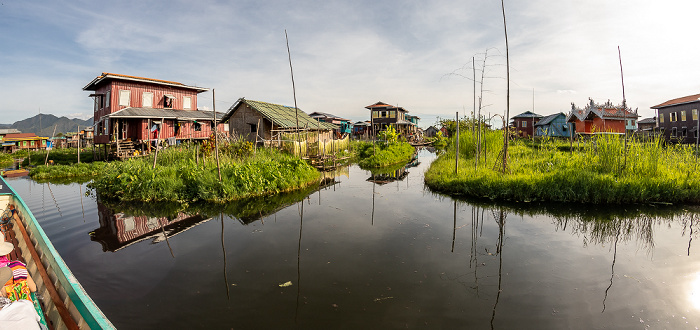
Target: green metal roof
281,115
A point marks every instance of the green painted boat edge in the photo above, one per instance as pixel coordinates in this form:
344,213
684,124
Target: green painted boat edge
93,316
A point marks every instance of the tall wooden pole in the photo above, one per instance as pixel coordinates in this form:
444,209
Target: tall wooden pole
624,104
155,156
216,135
294,92
47,151
78,144
457,143
505,142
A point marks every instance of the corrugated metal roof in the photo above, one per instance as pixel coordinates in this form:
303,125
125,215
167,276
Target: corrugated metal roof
107,76
548,119
165,113
528,114
283,116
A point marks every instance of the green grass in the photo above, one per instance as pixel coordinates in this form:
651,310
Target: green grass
382,154
67,171
593,172
178,178
63,156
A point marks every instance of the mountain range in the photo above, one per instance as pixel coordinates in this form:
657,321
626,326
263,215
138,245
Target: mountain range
43,124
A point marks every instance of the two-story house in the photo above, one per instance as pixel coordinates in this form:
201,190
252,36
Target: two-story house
524,123
138,110
383,115
677,119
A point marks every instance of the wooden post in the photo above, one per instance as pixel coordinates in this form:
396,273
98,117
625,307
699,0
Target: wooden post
216,135
78,144
47,151
155,157
457,144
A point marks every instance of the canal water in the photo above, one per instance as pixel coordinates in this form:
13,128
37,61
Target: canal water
376,250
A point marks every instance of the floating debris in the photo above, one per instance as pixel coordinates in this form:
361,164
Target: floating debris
286,284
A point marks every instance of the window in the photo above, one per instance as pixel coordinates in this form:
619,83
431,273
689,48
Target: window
124,98
383,114
375,114
674,116
684,132
187,102
524,124
683,115
695,114
661,118
392,113
147,100
107,97
168,101
673,131
197,126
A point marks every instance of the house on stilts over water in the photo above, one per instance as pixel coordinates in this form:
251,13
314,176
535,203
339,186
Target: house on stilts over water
132,114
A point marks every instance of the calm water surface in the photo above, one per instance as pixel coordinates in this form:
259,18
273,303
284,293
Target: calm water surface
360,254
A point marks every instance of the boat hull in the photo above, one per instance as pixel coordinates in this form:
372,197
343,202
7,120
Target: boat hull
63,300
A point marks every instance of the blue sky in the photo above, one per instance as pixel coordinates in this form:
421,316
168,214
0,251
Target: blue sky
347,55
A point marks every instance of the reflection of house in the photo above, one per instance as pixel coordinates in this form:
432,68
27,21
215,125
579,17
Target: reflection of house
23,141
248,119
596,118
118,230
383,115
678,118
344,125
554,125
381,177
135,109
524,123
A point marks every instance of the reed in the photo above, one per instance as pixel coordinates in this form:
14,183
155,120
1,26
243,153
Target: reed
595,173
382,154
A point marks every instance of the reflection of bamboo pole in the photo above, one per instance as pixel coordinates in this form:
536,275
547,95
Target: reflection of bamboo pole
78,144
162,227
223,248
301,226
454,226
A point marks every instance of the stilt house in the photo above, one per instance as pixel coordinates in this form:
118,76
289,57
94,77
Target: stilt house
135,110
678,118
265,123
384,115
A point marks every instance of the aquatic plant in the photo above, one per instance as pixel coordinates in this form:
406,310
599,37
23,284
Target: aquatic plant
178,177
594,173
66,171
382,154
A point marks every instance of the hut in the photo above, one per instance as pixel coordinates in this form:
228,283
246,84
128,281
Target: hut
265,123
554,125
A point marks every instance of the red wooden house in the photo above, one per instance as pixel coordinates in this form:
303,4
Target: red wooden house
599,118
133,110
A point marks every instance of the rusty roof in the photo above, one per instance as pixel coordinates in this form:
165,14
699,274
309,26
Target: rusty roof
680,100
108,76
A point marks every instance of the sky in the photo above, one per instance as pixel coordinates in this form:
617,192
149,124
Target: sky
349,54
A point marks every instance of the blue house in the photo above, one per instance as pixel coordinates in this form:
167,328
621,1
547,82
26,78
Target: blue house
554,125
344,125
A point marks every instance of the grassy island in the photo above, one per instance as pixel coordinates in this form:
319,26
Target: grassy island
180,177
594,171
389,150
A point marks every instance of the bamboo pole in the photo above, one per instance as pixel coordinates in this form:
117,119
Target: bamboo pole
296,109
624,105
155,157
78,144
216,134
457,144
505,143
47,151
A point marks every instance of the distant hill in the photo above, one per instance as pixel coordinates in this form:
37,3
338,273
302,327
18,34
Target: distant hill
45,126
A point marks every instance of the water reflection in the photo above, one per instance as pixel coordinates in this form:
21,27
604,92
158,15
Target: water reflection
392,173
